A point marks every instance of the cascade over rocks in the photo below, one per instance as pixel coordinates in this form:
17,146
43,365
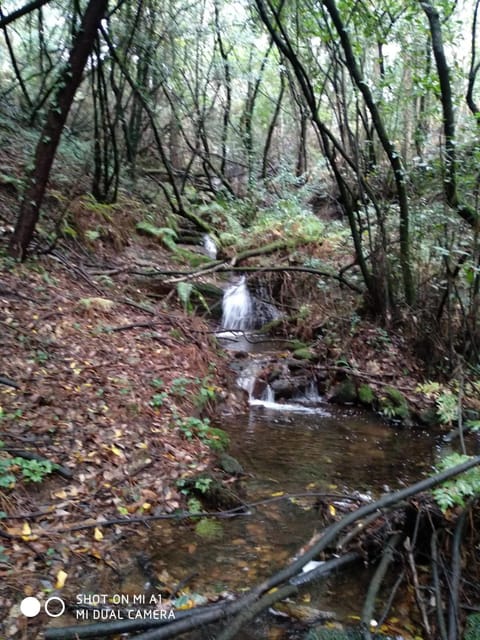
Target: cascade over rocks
243,311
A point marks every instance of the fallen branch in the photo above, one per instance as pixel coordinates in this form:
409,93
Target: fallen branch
28,455
257,599
331,532
376,582
453,608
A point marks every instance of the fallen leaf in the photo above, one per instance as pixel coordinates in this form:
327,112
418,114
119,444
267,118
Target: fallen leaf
61,577
97,534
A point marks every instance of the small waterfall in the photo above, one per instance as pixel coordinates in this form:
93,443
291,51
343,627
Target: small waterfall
261,394
310,395
210,246
268,395
238,308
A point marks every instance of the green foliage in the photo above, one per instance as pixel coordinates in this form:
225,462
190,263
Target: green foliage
205,394
393,404
179,386
92,234
447,407
472,630
194,505
158,399
166,235
13,469
202,484
186,292
454,492
446,401
213,437
366,394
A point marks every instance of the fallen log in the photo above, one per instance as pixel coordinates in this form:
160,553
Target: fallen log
285,582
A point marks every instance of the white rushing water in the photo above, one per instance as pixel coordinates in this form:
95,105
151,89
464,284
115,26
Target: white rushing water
309,402
210,246
238,308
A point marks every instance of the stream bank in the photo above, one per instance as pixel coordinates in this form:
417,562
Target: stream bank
117,389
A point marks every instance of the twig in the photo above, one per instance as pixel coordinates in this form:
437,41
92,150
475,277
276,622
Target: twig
416,585
134,325
453,620
9,383
376,582
391,597
28,455
436,587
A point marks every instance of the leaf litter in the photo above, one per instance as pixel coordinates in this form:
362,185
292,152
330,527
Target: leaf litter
97,402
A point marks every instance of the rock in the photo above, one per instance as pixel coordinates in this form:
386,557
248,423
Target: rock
366,394
289,387
344,392
393,404
230,465
428,416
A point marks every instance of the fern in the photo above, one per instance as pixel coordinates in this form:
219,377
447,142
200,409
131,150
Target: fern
184,291
454,492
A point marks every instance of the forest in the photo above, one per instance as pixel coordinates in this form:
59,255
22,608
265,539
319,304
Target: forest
239,326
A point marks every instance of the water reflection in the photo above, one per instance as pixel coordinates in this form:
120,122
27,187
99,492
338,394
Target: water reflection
350,449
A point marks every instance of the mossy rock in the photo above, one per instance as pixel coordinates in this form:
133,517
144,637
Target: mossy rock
344,392
209,529
230,465
428,416
303,353
366,394
472,630
393,404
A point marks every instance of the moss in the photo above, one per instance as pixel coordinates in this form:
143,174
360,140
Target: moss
428,416
209,529
344,392
303,354
366,394
229,464
393,404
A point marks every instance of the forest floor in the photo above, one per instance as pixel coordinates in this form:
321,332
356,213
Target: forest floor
114,382
107,383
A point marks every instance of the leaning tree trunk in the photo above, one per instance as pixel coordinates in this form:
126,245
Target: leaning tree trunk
68,84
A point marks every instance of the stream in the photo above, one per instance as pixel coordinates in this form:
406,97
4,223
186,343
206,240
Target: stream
307,446
320,455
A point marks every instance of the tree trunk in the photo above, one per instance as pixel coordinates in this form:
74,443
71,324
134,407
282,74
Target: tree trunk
68,84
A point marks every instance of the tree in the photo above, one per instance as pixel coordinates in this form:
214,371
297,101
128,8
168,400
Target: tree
67,86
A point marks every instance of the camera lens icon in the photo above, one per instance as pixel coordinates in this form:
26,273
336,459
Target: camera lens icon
31,606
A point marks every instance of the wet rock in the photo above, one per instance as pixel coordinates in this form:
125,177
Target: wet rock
428,416
393,404
288,387
258,388
366,394
230,465
344,392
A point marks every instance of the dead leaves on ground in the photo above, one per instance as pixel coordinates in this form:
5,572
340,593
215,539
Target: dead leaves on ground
85,402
